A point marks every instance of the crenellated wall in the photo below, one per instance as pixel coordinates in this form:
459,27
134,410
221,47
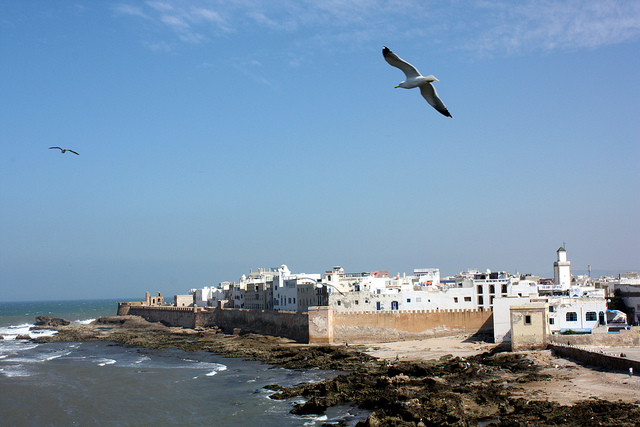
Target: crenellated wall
184,317
320,325
380,326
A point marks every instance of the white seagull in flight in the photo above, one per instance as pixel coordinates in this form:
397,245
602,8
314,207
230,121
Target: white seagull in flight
64,150
415,79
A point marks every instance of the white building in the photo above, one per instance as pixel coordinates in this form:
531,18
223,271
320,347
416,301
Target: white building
583,314
207,296
294,292
570,307
378,292
427,276
628,286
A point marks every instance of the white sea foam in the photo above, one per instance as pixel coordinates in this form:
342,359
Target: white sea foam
42,333
104,362
15,371
12,332
84,322
142,360
313,419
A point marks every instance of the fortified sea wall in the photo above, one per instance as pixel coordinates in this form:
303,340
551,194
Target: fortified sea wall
185,317
321,325
387,326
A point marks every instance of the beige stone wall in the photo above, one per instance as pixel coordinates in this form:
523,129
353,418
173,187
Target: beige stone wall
173,316
288,324
629,338
386,326
321,325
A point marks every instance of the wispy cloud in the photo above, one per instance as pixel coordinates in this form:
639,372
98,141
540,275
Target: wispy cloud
127,9
251,68
160,46
516,27
489,27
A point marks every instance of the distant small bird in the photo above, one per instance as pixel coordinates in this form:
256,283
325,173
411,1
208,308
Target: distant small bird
64,150
415,79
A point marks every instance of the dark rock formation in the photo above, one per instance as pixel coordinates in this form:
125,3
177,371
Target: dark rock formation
51,321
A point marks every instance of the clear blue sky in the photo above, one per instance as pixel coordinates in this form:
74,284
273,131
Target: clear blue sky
219,136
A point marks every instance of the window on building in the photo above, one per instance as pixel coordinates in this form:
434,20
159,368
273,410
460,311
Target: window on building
338,302
504,289
467,299
356,302
527,319
455,299
492,289
591,316
408,300
551,320
480,300
479,289
572,316
551,309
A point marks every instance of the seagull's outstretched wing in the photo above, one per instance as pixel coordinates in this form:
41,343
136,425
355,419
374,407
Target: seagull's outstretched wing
394,60
71,151
59,148
429,93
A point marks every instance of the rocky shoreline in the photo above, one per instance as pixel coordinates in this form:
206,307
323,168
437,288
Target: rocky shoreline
450,391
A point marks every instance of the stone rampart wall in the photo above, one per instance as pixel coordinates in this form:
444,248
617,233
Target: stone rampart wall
184,317
595,358
293,325
323,325
381,326
288,324
622,339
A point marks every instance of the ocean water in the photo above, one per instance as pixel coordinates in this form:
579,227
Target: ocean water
99,383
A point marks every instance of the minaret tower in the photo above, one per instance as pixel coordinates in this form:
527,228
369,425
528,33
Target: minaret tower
562,270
